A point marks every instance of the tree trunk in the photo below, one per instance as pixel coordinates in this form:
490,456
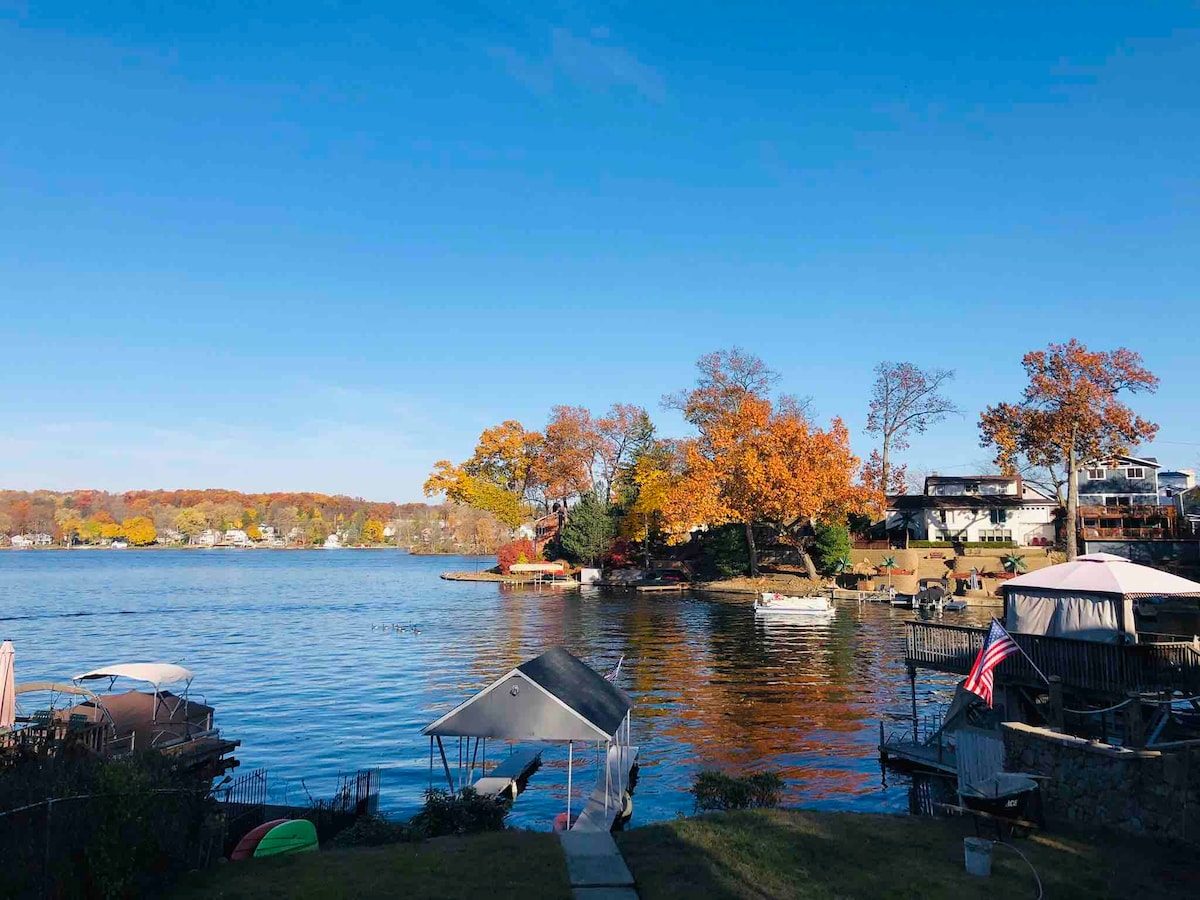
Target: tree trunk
886,467
809,568
753,551
1072,524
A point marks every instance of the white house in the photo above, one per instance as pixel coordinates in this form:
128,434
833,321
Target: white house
207,538
1172,484
975,508
238,538
333,542
22,541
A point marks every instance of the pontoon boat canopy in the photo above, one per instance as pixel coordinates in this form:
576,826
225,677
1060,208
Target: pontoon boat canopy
555,697
156,674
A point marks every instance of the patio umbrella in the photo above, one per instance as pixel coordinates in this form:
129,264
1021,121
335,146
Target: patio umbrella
8,687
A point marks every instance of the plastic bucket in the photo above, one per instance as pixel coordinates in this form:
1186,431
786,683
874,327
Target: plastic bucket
978,853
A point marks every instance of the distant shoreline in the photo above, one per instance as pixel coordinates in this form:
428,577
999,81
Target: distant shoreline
89,548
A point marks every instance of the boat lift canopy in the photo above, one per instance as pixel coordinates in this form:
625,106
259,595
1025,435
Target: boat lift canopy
555,697
156,674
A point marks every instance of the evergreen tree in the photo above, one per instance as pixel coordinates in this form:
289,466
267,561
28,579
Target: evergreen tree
831,543
589,531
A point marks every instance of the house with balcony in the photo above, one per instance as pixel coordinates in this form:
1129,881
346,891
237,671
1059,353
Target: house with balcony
975,509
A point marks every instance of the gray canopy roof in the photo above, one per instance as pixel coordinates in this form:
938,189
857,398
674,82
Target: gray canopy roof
555,697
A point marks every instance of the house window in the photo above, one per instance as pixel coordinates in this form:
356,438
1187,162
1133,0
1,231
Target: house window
1117,501
1095,474
942,516
1135,472
998,516
995,535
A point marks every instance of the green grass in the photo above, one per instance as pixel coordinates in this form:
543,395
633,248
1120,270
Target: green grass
509,864
795,854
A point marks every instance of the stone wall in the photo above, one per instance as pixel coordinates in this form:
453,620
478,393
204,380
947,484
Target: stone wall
1092,784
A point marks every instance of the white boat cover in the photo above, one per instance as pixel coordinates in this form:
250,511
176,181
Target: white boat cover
1090,598
156,674
1109,574
8,687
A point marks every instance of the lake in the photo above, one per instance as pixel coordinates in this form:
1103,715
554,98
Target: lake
287,646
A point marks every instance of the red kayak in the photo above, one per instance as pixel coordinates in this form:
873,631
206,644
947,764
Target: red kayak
247,845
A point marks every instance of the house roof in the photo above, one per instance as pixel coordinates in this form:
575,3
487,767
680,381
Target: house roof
961,501
554,697
1151,461
971,478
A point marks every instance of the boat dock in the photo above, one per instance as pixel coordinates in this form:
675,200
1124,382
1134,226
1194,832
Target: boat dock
607,801
509,777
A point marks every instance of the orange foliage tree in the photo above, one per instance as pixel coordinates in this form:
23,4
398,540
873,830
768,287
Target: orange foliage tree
755,461
1069,415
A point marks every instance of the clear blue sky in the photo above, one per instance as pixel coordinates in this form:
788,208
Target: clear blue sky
317,246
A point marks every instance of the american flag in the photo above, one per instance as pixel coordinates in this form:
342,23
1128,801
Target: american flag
997,645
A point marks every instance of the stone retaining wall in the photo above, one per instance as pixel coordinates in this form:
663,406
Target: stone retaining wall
1088,783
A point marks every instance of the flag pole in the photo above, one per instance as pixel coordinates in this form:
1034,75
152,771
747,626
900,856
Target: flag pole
1028,658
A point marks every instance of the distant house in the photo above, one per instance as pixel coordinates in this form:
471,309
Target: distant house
547,528
1173,483
207,538
975,508
268,532
238,538
333,542
41,539
1119,499
22,541
389,530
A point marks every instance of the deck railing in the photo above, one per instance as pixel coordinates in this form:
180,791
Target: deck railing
1084,665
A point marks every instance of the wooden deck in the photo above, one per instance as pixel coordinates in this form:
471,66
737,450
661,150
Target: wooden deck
1111,669
938,758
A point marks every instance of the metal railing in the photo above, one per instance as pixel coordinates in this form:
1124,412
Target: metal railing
1085,665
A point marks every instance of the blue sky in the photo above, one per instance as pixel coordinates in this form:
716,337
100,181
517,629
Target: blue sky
317,246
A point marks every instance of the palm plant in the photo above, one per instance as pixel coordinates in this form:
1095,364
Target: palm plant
843,564
889,563
1014,563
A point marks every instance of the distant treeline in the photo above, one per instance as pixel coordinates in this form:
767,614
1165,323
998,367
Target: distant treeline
147,517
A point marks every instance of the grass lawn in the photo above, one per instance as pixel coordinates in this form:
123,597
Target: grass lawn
799,854
510,864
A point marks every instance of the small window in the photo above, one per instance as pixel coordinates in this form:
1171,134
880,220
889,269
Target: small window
1135,472
1095,474
1117,501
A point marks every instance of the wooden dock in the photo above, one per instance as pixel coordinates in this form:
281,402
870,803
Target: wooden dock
509,777
649,588
607,800
939,758
1106,669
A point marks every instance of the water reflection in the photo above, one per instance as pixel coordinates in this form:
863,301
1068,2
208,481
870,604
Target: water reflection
283,646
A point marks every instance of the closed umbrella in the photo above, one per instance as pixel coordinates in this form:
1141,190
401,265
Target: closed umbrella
8,687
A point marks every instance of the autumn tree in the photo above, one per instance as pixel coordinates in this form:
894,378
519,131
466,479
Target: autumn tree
190,522
625,432
905,400
372,532
755,461
501,476
570,449
1069,415
139,531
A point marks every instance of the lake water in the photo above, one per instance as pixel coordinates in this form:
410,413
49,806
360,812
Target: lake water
287,646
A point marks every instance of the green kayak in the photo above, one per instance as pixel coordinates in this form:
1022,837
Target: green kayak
295,836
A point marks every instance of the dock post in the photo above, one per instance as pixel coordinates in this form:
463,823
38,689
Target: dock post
912,681
1056,702
1135,734
570,764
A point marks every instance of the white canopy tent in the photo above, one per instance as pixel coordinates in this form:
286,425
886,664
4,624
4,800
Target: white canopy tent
1090,598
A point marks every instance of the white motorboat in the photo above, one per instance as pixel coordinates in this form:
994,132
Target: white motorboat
797,606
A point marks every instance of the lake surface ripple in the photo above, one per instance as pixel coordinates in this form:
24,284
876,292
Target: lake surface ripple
287,645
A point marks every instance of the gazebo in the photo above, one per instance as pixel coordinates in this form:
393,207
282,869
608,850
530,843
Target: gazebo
1089,599
555,697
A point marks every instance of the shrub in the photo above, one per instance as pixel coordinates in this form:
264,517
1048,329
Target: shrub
373,831
714,790
723,552
465,812
514,552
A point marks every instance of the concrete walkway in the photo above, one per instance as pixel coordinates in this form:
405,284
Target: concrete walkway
595,867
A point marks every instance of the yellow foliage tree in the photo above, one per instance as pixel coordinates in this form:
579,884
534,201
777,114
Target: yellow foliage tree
253,532
139,531
372,532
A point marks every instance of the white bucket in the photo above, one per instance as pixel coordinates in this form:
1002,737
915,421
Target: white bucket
978,852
